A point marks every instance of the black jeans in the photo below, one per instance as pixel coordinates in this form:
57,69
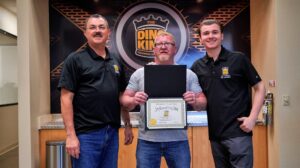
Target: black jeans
233,153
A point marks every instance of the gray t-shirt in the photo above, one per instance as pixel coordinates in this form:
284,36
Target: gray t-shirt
136,83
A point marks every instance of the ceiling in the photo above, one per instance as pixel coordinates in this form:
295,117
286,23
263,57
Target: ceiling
10,5
7,39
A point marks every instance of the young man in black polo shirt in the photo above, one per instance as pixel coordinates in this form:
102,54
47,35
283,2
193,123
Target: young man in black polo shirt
225,78
91,82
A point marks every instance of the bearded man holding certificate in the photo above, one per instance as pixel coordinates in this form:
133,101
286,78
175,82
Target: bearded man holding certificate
158,135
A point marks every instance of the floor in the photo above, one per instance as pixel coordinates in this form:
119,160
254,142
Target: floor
10,159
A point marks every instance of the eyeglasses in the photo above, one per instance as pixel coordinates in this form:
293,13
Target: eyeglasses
167,44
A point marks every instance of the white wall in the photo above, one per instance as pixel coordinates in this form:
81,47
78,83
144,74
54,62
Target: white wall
8,95
8,75
275,42
288,50
34,76
8,80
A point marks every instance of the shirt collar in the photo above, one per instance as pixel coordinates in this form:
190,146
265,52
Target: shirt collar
94,55
222,56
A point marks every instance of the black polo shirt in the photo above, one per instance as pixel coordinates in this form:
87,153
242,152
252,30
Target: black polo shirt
226,83
96,84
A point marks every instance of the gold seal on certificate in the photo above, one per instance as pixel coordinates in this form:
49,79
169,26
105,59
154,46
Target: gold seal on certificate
166,113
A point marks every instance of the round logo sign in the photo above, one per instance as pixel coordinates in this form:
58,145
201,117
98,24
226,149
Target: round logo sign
138,25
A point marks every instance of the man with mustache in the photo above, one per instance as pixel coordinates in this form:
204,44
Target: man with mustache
154,144
91,82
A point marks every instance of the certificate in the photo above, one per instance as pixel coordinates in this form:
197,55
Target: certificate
165,113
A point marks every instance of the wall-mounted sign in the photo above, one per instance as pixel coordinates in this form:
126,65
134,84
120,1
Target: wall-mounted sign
138,25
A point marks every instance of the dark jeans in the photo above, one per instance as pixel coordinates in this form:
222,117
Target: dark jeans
98,149
234,152
176,153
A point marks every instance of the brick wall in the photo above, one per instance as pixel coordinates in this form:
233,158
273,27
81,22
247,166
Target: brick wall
73,13
77,16
223,14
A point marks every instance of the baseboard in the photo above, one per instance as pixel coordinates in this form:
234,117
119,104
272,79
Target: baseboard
9,148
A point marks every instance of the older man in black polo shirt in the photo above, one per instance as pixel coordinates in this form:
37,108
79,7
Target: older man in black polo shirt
91,82
225,78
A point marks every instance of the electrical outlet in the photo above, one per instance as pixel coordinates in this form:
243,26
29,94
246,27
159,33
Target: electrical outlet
285,100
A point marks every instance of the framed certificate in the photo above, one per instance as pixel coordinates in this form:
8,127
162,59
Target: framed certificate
166,113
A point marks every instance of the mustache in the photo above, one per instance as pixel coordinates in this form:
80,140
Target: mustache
162,50
98,34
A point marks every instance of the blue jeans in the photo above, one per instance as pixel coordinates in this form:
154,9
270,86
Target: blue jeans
176,153
98,149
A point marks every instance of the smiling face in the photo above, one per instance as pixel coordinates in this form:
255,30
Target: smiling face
97,31
165,49
211,36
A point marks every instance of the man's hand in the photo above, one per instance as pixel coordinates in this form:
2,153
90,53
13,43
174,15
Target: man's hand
73,146
190,97
247,124
128,135
140,97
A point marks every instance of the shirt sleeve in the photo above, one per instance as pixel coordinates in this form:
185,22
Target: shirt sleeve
69,76
135,79
123,81
250,72
192,82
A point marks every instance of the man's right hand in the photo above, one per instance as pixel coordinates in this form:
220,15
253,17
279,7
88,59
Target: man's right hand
73,146
140,97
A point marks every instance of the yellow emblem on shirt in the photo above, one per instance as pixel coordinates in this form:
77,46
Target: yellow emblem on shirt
225,73
117,69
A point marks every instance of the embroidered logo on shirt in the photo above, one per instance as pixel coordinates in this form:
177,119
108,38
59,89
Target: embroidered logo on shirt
117,69
225,73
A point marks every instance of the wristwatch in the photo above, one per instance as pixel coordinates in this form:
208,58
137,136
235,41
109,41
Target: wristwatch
127,124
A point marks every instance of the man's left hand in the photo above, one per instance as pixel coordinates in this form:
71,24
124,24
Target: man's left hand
128,135
190,97
247,124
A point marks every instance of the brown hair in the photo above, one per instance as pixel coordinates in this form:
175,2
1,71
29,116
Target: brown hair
210,22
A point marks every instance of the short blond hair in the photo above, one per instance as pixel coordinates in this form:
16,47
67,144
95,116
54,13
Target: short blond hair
164,33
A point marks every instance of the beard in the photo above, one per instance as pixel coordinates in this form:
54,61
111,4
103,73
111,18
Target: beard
164,58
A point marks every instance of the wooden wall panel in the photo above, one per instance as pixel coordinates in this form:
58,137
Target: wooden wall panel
202,157
198,140
260,147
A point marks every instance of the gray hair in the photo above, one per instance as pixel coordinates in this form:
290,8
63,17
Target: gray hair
95,16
